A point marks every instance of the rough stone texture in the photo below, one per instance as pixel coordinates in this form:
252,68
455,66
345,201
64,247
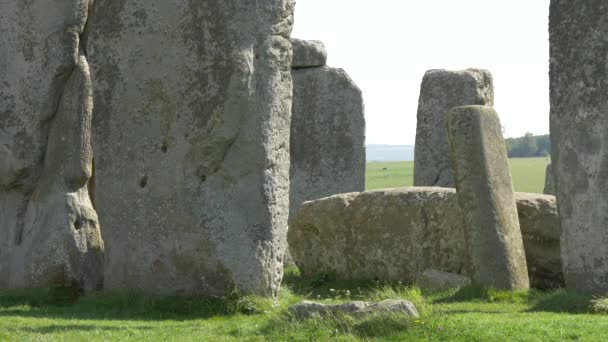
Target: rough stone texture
307,309
442,90
438,280
579,122
49,233
396,234
191,136
390,235
327,135
549,181
540,229
308,53
485,193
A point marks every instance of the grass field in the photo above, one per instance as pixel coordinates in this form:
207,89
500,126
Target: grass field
469,314
528,174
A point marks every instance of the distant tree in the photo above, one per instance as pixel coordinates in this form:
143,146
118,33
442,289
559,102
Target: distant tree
544,145
528,146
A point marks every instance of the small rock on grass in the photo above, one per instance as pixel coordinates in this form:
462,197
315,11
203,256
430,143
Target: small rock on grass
307,309
438,280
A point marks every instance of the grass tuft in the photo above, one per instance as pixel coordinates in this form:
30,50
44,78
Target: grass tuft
600,305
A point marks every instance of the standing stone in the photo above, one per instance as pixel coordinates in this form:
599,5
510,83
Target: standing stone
308,53
485,193
579,122
549,182
442,90
191,135
49,232
327,135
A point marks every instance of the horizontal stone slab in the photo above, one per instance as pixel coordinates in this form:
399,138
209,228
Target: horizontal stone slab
396,234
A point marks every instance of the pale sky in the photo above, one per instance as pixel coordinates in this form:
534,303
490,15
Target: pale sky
387,45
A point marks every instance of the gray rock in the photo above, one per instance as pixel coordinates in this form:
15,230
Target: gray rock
485,193
549,182
191,135
389,235
579,122
327,135
438,280
395,234
308,53
440,91
307,309
540,229
49,232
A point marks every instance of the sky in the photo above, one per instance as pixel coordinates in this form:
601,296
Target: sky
386,46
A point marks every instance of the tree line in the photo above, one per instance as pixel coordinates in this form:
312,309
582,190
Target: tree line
529,145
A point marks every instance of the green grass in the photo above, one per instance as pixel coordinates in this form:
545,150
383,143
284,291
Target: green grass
468,314
528,174
389,175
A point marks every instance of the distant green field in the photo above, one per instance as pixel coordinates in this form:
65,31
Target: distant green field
528,174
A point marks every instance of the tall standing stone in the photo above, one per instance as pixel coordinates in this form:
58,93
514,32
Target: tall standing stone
327,135
579,122
485,193
549,181
49,232
191,135
442,90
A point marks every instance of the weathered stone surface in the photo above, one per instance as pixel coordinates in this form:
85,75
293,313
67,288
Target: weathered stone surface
390,235
308,53
442,90
438,280
549,182
49,233
191,135
540,229
396,234
327,135
307,309
485,193
579,122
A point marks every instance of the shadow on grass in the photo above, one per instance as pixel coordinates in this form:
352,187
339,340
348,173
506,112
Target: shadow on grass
59,328
475,293
61,303
558,301
562,301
